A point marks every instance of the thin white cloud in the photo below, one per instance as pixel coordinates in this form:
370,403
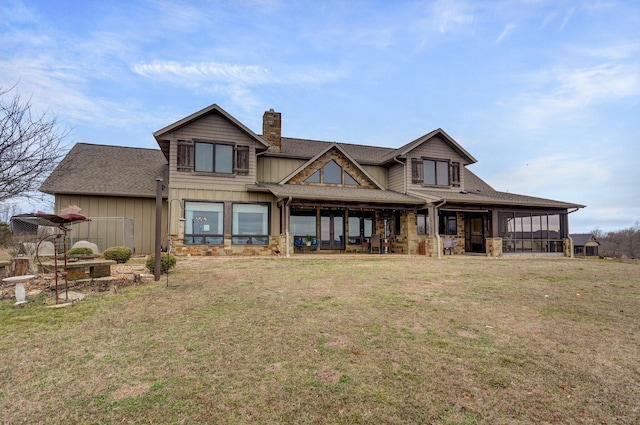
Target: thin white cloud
507,29
564,93
567,18
219,73
449,14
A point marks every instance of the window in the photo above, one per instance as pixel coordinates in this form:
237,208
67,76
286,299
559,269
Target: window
203,222
350,181
209,157
423,222
332,173
314,178
435,172
250,224
303,226
448,223
360,227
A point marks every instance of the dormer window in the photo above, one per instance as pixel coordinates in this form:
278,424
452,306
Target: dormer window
332,173
435,172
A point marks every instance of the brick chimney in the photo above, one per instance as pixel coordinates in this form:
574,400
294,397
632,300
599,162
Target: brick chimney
272,130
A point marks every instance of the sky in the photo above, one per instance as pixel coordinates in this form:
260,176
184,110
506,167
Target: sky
544,94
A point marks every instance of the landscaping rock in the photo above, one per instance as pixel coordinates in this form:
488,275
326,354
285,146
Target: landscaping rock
71,296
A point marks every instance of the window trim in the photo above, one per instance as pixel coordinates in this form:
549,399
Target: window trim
186,158
189,238
250,238
418,175
444,220
320,176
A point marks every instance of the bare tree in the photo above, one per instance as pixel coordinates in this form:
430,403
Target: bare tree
31,145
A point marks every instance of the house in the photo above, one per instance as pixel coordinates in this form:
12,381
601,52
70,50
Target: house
231,191
585,244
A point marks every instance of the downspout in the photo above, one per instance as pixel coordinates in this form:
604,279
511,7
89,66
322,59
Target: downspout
404,165
437,232
287,224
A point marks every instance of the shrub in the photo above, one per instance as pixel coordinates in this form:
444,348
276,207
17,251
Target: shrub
120,254
167,262
79,252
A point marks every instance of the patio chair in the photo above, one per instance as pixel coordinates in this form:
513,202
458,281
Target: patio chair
375,244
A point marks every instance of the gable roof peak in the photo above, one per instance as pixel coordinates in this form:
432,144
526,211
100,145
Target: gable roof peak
404,150
213,108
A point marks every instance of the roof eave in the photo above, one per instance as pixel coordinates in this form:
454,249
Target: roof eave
165,131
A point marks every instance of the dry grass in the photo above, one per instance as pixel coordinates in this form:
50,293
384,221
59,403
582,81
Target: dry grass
367,339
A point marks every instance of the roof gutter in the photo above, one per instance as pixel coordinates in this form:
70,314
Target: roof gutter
571,255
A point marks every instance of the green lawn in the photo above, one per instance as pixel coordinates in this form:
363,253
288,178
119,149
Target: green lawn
335,340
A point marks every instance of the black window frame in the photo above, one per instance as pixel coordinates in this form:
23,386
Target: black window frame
425,215
186,157
447,221
362,234
250,239
418,175
202,238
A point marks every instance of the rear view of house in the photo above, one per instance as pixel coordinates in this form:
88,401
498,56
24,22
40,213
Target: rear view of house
230,191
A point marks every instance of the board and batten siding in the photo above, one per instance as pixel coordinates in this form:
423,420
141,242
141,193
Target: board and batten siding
141,210
397,177
378,173
213,128
434,148
273,170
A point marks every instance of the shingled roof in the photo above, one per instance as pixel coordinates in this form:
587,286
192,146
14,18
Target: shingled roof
307,149
478,192
335,193
109,171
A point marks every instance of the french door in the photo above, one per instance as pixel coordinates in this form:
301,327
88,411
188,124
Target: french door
332,230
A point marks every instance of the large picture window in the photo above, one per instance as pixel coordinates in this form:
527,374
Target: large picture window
204,222
360,227
250,224
303,227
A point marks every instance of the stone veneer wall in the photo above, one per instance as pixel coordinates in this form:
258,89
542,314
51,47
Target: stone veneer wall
275,242
341,160
566,247
494,247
